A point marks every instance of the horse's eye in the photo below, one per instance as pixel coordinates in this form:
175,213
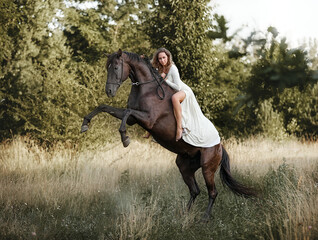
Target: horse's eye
116,68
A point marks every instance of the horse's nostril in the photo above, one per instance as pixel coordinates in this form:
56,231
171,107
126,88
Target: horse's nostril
109,92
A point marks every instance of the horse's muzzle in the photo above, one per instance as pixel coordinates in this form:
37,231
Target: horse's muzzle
110,91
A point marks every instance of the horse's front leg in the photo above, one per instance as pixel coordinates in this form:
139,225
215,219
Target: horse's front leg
139,116
116,112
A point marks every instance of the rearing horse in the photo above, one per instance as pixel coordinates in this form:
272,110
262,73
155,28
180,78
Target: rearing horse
149,105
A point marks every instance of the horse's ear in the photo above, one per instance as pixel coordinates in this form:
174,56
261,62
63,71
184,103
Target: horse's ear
119,53
144,57
105,55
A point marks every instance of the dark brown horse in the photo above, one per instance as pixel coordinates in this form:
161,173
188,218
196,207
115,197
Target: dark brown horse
149,105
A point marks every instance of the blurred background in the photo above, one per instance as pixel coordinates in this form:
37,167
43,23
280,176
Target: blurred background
249,78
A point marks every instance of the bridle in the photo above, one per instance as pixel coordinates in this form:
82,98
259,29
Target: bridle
137,84
155,79
121,76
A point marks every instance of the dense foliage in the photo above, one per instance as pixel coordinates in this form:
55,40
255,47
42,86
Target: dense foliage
181,27
53,54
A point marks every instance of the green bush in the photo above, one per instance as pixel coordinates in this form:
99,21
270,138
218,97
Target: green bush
300,110
270,122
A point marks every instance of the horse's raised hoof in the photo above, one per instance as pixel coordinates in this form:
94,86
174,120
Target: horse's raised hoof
126,142
84,128
205,218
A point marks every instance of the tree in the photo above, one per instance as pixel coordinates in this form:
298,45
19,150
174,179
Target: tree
281,84
220,29
181,26
313,55
299,109
26,38
53,64
276,68
41,89
94,32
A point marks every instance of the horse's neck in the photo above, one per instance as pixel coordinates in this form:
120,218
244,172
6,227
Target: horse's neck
141,94
142,72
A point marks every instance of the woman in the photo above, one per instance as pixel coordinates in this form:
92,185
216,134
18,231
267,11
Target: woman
192,126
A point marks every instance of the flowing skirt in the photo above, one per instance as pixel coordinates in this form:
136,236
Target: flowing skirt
198,131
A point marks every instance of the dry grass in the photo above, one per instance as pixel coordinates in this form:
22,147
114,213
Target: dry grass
138,193
259,155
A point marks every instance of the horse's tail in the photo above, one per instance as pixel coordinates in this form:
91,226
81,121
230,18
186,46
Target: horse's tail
228,180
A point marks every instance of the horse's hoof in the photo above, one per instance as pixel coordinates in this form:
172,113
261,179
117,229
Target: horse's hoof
205,218
126,142
84,128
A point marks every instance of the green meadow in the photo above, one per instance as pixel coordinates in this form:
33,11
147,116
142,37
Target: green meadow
111,192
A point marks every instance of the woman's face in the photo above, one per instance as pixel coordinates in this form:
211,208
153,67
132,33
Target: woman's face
163,58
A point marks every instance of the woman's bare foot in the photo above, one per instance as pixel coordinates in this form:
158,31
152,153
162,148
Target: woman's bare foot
179,134
147,135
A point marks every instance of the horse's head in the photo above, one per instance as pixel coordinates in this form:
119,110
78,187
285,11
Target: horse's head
117,72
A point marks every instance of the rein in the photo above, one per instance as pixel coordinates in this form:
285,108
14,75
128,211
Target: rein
141,83
154,80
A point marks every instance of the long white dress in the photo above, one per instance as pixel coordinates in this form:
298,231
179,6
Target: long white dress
198,131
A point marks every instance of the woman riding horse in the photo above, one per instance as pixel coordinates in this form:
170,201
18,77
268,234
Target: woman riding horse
192,125
149,105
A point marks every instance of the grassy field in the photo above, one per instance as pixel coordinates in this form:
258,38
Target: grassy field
138,193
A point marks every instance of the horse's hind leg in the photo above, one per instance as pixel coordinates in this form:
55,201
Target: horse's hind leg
210,160
188,167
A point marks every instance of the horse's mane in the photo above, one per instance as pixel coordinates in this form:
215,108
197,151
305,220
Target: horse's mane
146,60
134,56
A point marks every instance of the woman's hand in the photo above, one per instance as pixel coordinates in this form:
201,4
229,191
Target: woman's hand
163,75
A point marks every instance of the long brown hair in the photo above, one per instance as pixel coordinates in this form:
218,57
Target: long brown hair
157,64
